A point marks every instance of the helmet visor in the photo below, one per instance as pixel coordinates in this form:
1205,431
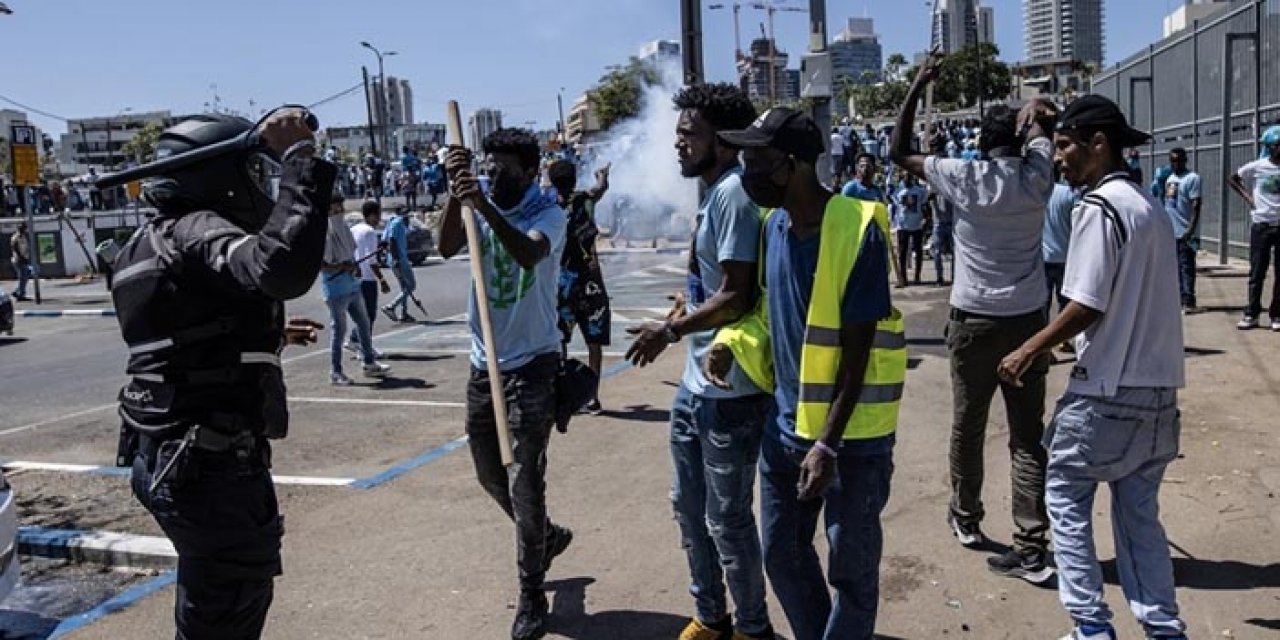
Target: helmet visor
264,172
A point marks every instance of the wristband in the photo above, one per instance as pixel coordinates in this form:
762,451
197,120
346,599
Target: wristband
825,450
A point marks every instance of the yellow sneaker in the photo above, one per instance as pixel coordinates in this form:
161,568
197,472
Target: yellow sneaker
767,634
698,630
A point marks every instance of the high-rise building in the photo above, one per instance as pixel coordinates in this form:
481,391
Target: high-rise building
482,123
986,25
397,103
1063,30
1190,11
954,25
756,82
856,58
659,51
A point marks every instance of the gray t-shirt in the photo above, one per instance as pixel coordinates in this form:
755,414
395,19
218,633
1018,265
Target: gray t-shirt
1122,263
999,220
728,231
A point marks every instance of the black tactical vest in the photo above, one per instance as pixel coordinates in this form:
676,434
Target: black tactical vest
201,349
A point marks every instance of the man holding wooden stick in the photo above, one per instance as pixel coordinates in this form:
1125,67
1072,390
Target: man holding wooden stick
521,235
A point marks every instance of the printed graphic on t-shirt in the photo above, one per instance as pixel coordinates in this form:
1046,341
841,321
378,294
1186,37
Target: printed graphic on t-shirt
508,282
1270,185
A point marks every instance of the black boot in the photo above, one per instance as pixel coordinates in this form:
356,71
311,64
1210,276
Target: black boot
531,616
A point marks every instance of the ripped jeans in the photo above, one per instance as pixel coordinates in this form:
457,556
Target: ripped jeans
715,445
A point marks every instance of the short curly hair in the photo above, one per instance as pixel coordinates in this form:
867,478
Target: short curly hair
518,142
723,105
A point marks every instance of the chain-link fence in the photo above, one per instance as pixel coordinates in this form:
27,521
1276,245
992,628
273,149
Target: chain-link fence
1175,90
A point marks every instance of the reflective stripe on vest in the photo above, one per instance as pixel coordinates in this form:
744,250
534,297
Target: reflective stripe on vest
844,226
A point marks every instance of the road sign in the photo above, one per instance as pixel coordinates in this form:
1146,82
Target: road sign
24,155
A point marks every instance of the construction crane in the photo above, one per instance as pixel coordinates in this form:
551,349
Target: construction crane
739,59
770,8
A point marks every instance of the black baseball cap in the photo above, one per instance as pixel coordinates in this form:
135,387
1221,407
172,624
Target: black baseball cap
787,130
1099,113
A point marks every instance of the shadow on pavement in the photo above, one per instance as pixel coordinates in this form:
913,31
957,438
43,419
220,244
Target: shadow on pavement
401,383
569,617
639,413
1201,351
415,357
11,340
24,625
1228,575
1265,624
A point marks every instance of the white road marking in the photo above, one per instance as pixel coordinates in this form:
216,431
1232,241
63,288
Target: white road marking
77,414
315,481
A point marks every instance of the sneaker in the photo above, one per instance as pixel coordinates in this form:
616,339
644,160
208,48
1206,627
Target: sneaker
968,533
375,370
1247,322
531,616
767,634
339,379
1029,566
1091,632
390,313
1275,324
557,542
595,409
377,355
406,318
699,630
352,347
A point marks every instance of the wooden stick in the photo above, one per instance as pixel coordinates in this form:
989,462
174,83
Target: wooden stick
482,305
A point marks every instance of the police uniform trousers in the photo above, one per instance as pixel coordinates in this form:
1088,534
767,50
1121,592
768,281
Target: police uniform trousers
219,509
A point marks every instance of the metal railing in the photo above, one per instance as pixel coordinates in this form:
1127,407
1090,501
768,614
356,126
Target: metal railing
1179,90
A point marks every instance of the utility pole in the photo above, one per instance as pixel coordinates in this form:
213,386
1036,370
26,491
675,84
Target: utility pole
691,41
822,58
373,140
563,135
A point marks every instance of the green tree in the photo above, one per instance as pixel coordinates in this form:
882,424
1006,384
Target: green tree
895,66
974,71
142,146
616,96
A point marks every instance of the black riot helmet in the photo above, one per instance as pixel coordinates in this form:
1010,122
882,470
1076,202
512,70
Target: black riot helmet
240,185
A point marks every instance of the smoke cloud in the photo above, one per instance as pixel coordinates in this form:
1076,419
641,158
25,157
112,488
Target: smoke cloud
647,196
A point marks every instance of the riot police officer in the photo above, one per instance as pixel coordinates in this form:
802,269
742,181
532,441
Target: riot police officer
199,294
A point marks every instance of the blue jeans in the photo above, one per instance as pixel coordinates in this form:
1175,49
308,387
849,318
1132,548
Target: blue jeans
404,276
369,294
1187,271
942,243
715,444
339,307
24,275
1126,441
852,507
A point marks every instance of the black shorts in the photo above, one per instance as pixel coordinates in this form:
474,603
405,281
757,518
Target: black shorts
584,303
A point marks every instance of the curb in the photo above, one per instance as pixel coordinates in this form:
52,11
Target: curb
116,550
58,313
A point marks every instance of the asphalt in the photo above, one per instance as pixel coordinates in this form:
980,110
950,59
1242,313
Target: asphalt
424,553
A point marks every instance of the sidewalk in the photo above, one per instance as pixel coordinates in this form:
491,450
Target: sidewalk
430,556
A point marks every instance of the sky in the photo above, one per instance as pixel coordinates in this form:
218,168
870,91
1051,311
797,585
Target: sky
92,58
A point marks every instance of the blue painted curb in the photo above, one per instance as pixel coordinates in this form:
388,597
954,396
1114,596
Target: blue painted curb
59,313
118,603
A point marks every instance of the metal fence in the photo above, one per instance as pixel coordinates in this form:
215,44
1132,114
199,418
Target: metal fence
1175,89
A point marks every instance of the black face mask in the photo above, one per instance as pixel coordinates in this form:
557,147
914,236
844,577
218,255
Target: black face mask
762,190
506,188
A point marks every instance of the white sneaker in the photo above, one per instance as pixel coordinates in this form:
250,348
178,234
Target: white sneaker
339,379
1275,324
1078,634
376,370
351,346
377,355
1247,322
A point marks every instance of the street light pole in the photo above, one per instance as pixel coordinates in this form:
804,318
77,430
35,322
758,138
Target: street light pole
561,134
381,96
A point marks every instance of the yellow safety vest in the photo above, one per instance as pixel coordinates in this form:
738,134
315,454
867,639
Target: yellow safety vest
876,413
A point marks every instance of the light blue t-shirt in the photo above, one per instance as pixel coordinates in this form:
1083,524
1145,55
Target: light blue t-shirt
858,191
909,209
1056,237
728,231
1179,191
396,235
522,302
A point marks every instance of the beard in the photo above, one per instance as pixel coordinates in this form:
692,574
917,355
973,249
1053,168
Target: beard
699,165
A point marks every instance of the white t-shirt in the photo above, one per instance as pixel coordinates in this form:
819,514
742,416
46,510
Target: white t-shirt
1265,176
837,144
366,245
1122,262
